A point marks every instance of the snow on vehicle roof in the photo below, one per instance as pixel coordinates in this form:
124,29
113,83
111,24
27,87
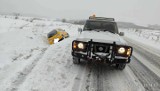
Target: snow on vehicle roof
101,18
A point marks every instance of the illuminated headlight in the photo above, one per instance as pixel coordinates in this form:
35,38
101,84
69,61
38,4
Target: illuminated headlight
129,52
56,40
74,45
80,45
121,50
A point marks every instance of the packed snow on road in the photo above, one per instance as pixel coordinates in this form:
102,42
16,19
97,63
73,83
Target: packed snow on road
29,63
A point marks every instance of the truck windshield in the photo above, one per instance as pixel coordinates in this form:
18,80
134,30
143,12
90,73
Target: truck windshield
100,26
52,33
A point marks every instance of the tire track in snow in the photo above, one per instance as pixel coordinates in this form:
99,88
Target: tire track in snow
96,81
79,77
89,77
146,67
149,80
25,72
117,80
86,78
82,80
102,77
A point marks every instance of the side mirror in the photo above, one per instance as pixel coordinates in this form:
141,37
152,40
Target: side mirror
79,30
121,33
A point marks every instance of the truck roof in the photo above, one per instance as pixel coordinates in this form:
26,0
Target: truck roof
101,19
91,20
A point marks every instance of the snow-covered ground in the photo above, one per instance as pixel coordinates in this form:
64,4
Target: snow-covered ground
29,63
150,38
18,38
22,44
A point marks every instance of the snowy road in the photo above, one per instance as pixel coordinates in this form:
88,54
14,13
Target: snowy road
146,66
44,74
97,77
43,67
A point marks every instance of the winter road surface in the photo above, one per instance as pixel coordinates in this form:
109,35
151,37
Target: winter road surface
50,68
53,70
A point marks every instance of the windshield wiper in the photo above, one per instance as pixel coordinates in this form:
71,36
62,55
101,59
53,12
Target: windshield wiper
87,29
109,31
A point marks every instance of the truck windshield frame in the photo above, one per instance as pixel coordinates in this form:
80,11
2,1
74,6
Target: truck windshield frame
101,26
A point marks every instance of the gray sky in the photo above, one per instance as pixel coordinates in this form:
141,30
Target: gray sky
141,12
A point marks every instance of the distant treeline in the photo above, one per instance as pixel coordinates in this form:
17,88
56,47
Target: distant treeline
156,26
131,25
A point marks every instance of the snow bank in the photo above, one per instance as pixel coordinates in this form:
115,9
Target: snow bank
150,38
19,37
7,24
24,43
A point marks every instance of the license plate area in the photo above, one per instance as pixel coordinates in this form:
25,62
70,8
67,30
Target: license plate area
100,48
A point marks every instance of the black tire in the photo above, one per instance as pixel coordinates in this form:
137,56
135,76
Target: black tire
76,60
120,66
89,61
61,39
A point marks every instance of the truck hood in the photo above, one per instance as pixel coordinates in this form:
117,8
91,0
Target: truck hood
104,37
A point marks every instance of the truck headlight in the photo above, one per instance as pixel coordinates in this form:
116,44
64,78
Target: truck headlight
80,45
129,52
121,50
124,51
74,45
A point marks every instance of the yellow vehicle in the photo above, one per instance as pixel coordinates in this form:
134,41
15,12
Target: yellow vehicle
57,35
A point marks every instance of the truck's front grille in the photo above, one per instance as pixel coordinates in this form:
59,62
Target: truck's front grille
101,48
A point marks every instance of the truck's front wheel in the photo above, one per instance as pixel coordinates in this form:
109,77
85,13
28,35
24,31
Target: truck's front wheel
120,66
76,60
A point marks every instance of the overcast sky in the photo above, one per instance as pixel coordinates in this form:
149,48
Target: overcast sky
141,12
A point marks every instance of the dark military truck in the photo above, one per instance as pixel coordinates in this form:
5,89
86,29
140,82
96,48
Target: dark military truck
101,41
